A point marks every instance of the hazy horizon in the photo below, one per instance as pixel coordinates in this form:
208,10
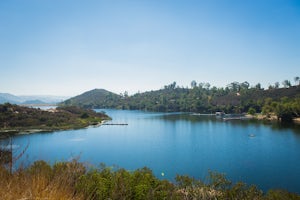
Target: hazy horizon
65,48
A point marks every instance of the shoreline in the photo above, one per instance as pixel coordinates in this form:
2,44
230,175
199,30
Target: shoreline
257,116
296,120
263,117
272,118
18,120
22,131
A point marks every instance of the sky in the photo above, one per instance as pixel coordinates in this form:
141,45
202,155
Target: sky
67,47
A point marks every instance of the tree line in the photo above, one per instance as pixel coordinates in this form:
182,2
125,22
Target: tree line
236,97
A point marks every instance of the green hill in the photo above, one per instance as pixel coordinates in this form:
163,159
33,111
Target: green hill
205,100
235,98
97,98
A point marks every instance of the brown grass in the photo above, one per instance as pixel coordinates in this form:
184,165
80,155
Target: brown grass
25,185
270,117
71,181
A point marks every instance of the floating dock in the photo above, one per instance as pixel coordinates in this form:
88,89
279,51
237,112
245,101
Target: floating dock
115,124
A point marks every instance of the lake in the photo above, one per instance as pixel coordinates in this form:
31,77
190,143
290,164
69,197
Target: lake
267,155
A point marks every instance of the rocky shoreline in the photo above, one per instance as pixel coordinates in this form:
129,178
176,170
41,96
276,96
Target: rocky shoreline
271,118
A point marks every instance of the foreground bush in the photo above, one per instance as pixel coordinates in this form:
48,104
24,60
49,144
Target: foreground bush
41,181
71,180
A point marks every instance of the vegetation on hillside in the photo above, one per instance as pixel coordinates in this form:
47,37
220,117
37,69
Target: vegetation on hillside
97,98
235,98
14,118
72,180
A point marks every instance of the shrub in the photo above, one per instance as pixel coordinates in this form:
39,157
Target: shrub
71,180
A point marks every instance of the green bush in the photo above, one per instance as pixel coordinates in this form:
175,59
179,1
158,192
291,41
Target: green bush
251,111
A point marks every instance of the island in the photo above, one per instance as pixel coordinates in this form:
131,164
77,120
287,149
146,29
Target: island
15,119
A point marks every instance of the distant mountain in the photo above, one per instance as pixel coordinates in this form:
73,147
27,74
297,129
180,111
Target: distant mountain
44,98
33,99
97,98
35,102
6,97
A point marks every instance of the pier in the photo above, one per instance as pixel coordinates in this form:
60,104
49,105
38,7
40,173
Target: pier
115,124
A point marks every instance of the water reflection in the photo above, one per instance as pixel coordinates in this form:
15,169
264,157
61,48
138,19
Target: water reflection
173,117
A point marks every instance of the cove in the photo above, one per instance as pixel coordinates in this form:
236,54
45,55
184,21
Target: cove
267,155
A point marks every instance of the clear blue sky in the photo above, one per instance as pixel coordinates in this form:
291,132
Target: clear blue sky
66,47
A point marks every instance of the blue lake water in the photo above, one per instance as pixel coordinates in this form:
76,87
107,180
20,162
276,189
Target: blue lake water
179,143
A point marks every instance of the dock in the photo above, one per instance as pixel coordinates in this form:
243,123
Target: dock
115,124
235,118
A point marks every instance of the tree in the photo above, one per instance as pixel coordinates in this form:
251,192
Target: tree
126,94
283,112
193,84
171,86
201,85
286,84
245,85
251,111
271,87
297,79
234,86
84,116
258,86
207,86
277,85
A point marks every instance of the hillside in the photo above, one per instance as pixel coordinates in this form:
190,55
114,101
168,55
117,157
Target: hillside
15,119
171,98
256,97
236,98
9,98
97,98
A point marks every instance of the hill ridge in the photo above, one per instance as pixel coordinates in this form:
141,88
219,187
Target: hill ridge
196,99
94,98
26,99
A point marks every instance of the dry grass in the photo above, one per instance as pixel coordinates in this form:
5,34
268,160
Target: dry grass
70,180
25,185
269,117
